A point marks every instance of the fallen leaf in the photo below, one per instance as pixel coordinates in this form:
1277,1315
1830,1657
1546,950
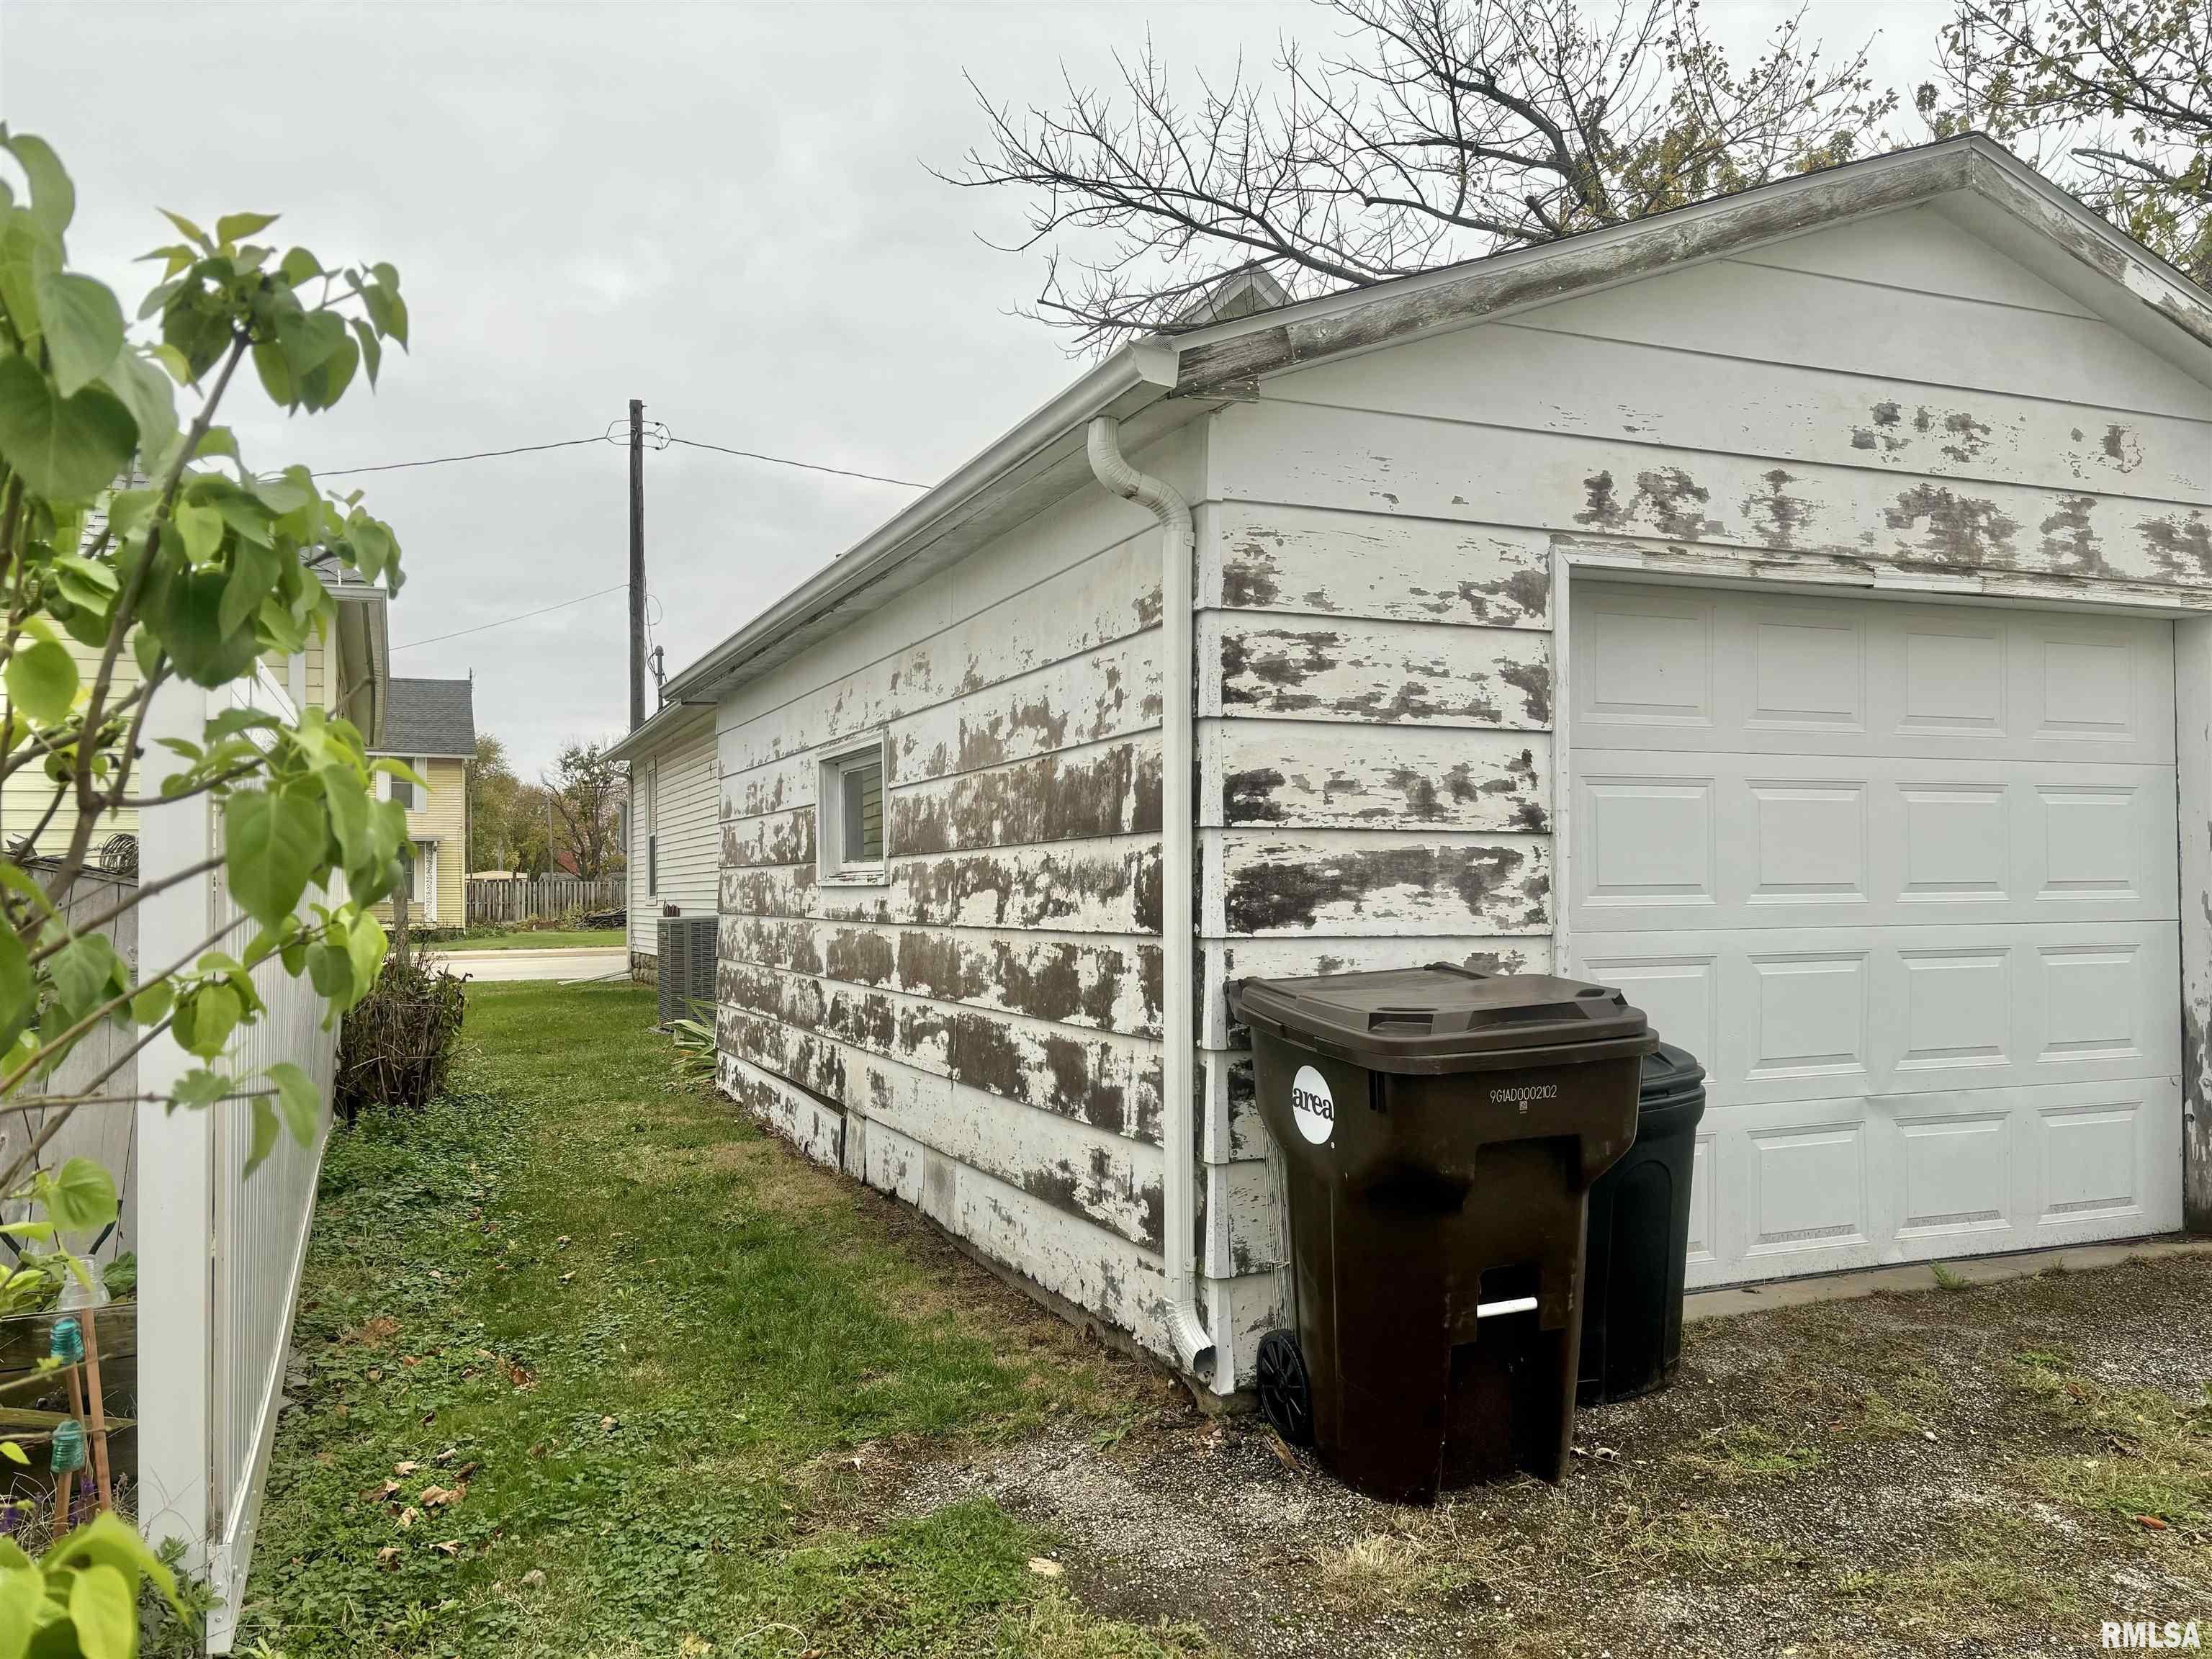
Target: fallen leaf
410,1360
409,1516
561,1243
1045,1569
609,1424
376,1375
435,1274
2152,1522
534,1579
388,1556
565,1278
1607,1454
404,1468
451,1546
1283,1454
540,1450
437,1496
448,1455
518,1375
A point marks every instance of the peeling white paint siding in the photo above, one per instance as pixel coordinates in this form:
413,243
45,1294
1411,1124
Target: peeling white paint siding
980,1032
1887,400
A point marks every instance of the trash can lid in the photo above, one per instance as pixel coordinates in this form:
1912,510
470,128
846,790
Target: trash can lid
1425,1019
1670,1082
1669,1074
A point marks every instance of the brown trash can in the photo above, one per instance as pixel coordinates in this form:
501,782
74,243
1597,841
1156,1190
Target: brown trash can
1440,1130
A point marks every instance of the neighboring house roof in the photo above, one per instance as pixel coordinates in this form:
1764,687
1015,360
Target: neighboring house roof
431,717
1156,383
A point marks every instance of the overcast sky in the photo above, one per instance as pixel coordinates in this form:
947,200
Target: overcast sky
720,208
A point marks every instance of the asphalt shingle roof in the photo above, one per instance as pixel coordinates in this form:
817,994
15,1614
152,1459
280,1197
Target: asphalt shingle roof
430,717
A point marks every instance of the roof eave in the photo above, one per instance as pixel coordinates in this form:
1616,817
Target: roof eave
667,721
1228,359
1134,376
1041,459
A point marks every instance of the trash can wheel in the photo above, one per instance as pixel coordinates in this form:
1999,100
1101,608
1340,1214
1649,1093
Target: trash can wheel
1285,1393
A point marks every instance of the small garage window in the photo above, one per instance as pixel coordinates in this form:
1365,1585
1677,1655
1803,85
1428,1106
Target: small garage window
849,815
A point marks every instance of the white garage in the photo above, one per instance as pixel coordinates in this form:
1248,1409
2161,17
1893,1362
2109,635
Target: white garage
1904,876
1780,608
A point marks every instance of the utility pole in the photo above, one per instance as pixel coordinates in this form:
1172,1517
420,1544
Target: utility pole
636,563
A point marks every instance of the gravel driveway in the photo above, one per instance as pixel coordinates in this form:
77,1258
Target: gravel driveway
1985,1471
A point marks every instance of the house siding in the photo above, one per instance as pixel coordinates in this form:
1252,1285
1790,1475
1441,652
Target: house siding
24,795
979,1034
1376,667
442,817
687,780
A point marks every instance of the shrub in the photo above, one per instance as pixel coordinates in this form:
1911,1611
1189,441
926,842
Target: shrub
398,1041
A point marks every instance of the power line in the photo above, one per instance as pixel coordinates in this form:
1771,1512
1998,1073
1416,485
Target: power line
663,432
523,617
444,460
781,460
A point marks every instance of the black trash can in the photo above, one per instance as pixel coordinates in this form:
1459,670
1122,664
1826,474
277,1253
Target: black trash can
1440,1129
1639,1240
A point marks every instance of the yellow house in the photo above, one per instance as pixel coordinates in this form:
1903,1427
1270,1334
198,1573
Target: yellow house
343,673
431,725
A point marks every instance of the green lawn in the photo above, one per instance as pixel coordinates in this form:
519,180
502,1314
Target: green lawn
601,1337
547,938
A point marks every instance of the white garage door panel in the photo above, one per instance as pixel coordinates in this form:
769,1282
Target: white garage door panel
1903,877
1805,1014
1673,668
1714,840
1822,1185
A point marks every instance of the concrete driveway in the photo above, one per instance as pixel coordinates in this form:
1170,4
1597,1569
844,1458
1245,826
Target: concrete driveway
587,963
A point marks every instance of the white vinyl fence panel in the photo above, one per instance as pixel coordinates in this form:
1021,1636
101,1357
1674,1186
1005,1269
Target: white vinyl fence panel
221,1253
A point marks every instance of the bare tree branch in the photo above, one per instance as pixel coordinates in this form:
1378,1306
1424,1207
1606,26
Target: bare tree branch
1447,128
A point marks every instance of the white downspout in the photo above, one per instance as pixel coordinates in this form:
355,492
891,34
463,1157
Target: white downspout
1178,1126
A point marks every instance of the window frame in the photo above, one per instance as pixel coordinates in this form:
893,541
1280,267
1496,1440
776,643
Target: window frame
419,793
830,769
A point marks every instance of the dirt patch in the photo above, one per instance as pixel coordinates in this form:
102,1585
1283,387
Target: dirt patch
1988,1471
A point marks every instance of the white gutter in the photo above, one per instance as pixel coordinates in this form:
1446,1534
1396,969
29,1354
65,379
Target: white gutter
1178,1114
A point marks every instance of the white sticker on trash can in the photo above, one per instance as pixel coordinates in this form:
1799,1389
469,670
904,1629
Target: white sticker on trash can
1312,1105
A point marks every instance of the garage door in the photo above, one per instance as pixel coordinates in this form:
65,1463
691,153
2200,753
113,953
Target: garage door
1903,877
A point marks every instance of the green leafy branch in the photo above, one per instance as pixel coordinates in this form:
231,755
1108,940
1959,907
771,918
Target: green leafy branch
137,548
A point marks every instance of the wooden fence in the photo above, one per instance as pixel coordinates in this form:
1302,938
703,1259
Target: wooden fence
527,899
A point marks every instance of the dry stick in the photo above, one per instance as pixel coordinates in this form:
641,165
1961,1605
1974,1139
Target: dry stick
62,1492
98,1422
54,1102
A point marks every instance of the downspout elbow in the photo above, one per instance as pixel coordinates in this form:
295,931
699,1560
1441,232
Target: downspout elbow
1186,1329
